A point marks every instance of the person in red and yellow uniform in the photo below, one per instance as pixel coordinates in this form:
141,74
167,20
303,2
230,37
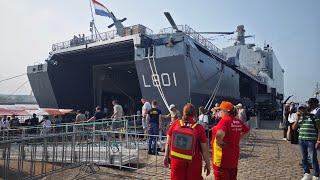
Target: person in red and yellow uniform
225,143
183,165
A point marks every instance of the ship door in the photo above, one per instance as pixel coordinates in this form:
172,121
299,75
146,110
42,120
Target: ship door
117,82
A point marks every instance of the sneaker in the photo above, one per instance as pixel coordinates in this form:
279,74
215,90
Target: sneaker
315,178
284,139
306,176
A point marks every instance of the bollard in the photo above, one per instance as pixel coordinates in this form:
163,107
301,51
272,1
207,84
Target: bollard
258,120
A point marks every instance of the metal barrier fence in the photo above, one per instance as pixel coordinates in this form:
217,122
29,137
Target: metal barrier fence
38,156
129,123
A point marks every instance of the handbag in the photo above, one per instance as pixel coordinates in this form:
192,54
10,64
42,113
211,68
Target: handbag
281,126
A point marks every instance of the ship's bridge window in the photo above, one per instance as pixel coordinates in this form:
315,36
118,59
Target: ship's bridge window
146,52
40,67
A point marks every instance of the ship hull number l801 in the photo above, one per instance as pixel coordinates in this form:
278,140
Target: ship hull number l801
165,79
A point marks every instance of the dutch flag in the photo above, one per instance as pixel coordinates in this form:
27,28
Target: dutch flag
100,9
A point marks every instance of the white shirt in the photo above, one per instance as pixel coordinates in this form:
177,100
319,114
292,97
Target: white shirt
118,111
242,115
5,124
316,111
46,123
292,117
145,108
203,119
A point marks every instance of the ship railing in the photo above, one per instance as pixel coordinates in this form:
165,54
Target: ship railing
36,157
78,41
170,30
197,37
205,42
126,123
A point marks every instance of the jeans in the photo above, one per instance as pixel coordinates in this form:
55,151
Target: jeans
154,130
307,148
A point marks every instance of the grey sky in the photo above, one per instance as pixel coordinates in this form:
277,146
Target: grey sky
30,27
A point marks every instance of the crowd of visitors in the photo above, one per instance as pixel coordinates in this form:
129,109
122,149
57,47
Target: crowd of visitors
187,134
187,144
301,125
47,121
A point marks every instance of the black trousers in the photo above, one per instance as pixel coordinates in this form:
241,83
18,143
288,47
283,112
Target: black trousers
294,135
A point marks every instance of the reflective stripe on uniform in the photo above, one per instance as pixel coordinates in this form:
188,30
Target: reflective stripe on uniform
217,154
182,156
193,126
181,123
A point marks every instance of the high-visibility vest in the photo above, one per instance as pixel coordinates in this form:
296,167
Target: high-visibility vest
184,141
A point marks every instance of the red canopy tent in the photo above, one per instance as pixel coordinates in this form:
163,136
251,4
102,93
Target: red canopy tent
55,112
19,112
5,112
27,112
10,112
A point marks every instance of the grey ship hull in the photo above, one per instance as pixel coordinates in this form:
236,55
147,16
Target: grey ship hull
94,74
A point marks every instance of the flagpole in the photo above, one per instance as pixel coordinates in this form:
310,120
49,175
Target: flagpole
93,22
91,11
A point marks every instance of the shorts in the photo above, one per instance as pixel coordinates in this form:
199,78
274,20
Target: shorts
144,123
117,125
75,129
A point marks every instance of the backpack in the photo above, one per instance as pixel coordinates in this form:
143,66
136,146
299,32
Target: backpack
184,142
317,112
313,118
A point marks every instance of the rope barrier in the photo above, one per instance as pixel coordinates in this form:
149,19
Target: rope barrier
155,72
3,80
215,91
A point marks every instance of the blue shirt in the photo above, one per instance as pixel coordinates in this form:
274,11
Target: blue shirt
154,114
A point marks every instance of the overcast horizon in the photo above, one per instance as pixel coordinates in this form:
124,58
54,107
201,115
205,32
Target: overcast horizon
31,27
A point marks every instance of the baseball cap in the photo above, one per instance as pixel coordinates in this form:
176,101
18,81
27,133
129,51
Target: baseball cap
226,106
172,106
302,106
313,101
239,105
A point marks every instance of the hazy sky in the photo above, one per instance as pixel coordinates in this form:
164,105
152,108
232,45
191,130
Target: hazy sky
292,27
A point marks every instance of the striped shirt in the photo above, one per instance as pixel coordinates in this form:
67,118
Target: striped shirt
308,129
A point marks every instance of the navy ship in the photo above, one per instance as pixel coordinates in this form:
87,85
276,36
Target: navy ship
175,66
